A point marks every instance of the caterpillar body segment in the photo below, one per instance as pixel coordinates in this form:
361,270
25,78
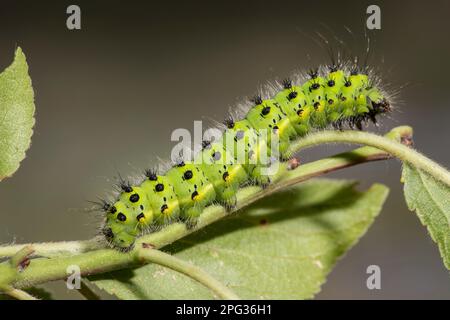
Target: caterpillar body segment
193,189
226,173
248,147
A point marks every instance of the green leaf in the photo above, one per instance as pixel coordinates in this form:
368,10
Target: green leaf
282,247
16,114
430,199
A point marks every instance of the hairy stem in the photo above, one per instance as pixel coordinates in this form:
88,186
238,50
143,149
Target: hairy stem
394,148
19,294
155,256
50,249
92,259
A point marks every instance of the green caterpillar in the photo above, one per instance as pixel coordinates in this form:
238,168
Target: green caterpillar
335,95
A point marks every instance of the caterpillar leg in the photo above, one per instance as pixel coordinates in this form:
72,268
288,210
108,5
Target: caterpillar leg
229,200
284,147
190,216
259,176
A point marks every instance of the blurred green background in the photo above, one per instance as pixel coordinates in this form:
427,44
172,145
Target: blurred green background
108,97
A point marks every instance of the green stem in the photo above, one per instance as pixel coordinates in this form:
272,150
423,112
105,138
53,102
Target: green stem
51,249
19,258
171,262
245,196
103,260
396,149
19,294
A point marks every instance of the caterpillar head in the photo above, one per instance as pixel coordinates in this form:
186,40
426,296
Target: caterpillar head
119,236
127,218
378,102
383,106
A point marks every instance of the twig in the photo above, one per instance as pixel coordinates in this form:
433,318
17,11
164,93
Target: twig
43,270
19,294
51,249
394,148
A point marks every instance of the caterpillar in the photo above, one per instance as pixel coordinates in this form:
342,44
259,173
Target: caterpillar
337,95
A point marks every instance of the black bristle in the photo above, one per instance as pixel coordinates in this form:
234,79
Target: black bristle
125,185
354,71
287,84
108,233
359,125
180,163
333,67
257,100
206,144
381,107
229,122
151,174
372,117
338,125
313,73
105,205
364,70
101,205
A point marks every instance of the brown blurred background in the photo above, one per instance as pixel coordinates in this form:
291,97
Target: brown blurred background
108,97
